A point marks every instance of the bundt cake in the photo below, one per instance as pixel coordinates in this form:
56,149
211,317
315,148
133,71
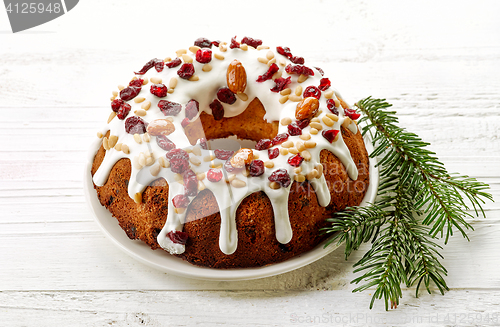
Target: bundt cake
229,155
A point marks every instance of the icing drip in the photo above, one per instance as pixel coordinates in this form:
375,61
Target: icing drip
232,189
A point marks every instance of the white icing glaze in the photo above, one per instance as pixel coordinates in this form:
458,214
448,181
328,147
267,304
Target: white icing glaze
227,196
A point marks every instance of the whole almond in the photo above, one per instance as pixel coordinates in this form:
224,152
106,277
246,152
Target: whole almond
241,158
306,108
160,127
236,77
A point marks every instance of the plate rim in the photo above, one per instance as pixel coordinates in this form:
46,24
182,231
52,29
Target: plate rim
167,263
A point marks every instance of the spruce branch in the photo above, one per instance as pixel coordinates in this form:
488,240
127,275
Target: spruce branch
418,201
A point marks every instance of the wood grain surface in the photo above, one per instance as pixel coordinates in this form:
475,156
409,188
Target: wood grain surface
437,62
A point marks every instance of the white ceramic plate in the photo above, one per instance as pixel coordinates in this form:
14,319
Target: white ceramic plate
165,262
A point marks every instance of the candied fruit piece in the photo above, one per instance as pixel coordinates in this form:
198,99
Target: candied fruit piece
225,95
180,201
280,138
263,144
214,175
296,160
203,42
330,134
135,125
192,108
312,91
273,153
217,109
160,90
269,74
324,84
164,143
256,168
204,56
281,177
223,154
174,63
169,108
186,70
129,92
281,84
251,42
178,237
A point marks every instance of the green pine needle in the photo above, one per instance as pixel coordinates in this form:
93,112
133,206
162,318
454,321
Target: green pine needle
418,202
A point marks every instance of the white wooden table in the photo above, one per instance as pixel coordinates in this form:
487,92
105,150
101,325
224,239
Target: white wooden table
438,62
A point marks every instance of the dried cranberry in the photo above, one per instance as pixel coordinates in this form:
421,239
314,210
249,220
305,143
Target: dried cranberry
330,104
150,64
303,123
186,70
351,113
269,74
165,143
159,65
299,70
216,43
273,153
169,108
234,44
214,175
203,42
285,51
135,125
204,56
185,122
296,160
160,90
281,177
294,129
217,109
179,165
281,84
312,91
329,134
180,201
229,168
226,95
223,154
251,42
297,60
256,168
136,82
116,104
177,154
280,138
174,63
123,111
203,143
178,237
324,84
192,108
129,92
320,71
263,144
190,183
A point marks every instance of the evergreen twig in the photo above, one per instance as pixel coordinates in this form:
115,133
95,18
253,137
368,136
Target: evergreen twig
418,202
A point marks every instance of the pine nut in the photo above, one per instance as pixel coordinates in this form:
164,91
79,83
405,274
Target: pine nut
299,178
194,48
245,173
293,150
139,99
332,117
244,47
306,155
287,144
194,78
156,80
302,78
242,96
155,170
167,59
142,159
313,131
187,58
136,164
328,122
346,122
201,186
300,146
170,91
137,138
312,174
223,48
309,144
195,161
209,158
305,136
121,87
115,93
317,126
315,120
294,98
263,60
283,99
283,151
272,61
262,47
112,141
200,176
206,68
138,197
99,135
319,168
269,164
196,151
282,62
180,52
274,185
286,121
118,147
105,144
298,90
218,56
328,95
146,105
231,177
111,116
270,55
125,149
297,170
286,91
140,112
173,82
146,137
145,81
